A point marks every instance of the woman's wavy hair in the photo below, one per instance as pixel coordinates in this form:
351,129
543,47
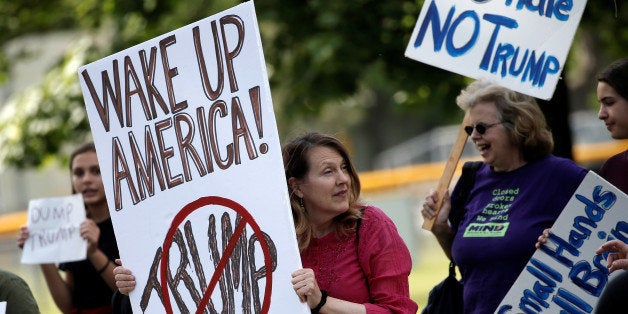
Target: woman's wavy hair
295,159
520,114
616,75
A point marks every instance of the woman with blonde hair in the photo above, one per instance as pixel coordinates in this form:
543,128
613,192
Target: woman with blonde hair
520,189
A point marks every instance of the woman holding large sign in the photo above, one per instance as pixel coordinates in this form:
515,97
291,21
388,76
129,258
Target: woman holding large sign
353,257
88,284
519,191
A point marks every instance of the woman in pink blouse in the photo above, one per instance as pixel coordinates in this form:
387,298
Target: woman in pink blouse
344,271
353,257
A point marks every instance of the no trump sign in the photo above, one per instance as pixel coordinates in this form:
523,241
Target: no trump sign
191,162
519,44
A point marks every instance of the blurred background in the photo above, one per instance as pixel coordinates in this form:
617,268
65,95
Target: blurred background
334,66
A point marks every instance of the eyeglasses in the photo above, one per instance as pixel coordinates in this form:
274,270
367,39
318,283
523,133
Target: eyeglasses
480,127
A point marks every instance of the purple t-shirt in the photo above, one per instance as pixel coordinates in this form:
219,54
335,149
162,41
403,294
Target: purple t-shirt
506,213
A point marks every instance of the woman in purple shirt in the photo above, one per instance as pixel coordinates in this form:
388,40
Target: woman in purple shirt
519,191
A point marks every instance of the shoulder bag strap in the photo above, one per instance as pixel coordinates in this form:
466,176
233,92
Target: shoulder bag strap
466,182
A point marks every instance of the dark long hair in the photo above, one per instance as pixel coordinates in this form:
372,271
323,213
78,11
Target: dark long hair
616,75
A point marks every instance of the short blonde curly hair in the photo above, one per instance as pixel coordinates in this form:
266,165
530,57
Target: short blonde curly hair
520,114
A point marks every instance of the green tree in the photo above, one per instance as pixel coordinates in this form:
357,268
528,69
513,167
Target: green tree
42,123
349,55
334,65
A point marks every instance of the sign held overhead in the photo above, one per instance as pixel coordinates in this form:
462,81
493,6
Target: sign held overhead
520,44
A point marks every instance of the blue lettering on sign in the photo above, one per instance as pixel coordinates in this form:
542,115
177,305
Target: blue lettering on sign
455,52
620,232
591,280
542,288
505,58
548,8
595,210
571,303
433,18
560,246
499,21
582,275
599,261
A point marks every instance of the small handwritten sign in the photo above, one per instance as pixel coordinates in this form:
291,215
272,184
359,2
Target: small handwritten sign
54,230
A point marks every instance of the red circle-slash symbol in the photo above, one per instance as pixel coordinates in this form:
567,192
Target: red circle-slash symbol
246,218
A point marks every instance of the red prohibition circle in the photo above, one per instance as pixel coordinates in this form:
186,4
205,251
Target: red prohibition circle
246,218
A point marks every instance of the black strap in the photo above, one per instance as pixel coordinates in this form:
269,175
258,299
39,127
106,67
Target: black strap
320,303
452,269
465,184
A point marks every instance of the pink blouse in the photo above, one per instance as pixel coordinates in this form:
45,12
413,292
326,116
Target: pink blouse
375,275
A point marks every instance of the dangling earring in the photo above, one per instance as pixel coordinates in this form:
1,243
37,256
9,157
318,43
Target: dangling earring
301,203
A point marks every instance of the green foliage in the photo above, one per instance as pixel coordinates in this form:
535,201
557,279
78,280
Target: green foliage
607,20
335,63
324,51
37,125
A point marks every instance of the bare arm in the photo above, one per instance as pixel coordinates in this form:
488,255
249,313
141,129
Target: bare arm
105,266
59,289
100,261
334,305
441,229
305,285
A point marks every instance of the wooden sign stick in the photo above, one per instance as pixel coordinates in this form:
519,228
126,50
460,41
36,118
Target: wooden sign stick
450,168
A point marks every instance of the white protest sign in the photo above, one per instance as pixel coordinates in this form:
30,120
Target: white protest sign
566,274
191,162
519,44
54,226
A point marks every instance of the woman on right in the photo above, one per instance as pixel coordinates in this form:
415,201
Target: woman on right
612,93
519,191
